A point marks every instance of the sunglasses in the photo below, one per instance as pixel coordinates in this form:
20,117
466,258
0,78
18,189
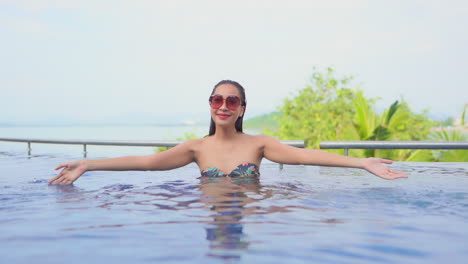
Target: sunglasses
232,101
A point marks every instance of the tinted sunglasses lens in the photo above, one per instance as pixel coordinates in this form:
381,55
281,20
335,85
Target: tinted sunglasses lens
216,101
232,102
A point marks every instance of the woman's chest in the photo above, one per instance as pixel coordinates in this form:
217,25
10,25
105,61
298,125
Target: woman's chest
227,157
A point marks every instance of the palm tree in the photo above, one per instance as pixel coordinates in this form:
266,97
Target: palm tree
395,123
371,126
452,135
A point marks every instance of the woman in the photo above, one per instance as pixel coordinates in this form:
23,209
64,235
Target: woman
226,151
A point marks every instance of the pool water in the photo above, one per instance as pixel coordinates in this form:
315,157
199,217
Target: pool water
300,214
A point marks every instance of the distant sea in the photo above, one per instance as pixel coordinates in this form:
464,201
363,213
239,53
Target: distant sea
94,132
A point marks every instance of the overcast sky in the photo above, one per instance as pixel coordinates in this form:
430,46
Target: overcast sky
92,60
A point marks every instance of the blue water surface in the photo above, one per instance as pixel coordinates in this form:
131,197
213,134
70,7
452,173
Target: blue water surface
301,214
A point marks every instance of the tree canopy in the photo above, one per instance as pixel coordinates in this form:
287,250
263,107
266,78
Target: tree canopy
334,108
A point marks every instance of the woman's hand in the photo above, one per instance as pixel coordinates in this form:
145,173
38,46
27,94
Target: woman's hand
376,166
72,170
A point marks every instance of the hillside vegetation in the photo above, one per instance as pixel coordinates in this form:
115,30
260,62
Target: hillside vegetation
267,121
333,108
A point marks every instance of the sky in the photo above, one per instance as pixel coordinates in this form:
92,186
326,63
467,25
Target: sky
94,61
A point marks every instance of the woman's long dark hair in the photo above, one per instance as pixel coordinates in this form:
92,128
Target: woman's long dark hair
240,119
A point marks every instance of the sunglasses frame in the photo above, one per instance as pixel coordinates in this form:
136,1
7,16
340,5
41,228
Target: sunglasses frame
226,100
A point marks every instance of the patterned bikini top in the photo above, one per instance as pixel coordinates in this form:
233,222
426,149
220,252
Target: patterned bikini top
242,170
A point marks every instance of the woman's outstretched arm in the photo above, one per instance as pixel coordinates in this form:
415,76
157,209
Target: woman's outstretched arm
176,157
277,152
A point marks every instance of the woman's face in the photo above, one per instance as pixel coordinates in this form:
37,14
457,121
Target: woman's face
223,115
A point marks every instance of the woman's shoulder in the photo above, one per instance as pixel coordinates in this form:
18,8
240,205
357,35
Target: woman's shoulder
192,143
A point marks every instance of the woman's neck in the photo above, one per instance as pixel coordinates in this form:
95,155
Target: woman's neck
225,133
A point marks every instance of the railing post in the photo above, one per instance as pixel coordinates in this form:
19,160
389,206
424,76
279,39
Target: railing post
346,152
85,153
29,149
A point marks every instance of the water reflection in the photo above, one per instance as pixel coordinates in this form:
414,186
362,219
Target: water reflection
227,198
59,188
218,205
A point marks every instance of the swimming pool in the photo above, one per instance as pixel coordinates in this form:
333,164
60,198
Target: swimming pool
301,214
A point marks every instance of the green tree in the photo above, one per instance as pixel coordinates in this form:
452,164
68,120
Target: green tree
371,126
450,155
321,111
451,135
397,122
328,109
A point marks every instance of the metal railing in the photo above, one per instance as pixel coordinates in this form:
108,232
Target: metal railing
153,143
347,145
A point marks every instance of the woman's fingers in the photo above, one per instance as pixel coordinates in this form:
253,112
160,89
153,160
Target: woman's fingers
402,175
398,174
63,165
68,164
378,168
64,181
55,178
60,181
386,161
60,178
69,173
393,174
